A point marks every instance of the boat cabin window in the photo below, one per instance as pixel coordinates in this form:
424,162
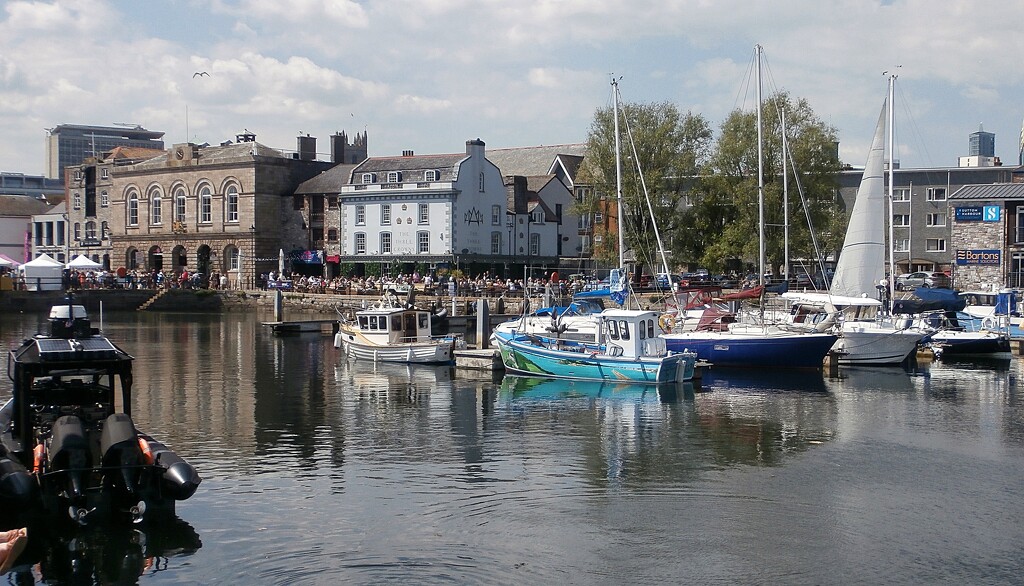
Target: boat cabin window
643,329
625,329
363,322
613,329
410,321
396,323
650,328
423,320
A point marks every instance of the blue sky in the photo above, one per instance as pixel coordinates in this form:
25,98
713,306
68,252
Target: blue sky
427,75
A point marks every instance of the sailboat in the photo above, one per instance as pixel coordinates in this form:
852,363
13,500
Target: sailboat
626,347
760,345
868,333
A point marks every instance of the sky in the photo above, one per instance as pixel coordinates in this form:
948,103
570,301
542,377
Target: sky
428,75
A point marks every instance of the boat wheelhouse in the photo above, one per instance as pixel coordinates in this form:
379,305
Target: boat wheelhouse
394,332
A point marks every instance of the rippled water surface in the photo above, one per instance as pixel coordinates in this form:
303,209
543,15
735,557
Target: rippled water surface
318,470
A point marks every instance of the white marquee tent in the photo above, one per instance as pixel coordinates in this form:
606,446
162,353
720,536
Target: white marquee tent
43,274
84,263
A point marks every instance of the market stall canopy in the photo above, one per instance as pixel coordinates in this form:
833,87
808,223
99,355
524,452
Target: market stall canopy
83,262
6,261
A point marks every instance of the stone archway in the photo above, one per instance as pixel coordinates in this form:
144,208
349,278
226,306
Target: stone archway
155,260
179,259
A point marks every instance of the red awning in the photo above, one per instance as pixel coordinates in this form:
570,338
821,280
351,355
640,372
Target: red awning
333,258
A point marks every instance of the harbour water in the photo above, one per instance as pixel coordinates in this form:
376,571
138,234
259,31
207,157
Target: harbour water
321,471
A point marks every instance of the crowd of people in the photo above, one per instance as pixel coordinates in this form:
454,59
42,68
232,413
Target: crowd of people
484,285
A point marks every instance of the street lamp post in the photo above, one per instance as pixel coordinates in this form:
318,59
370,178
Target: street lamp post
511,225
252,256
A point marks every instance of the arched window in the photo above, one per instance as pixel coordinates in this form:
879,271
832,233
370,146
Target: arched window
133,209
205,205
90,230
104,230
231,214
78,231
179,205
156,207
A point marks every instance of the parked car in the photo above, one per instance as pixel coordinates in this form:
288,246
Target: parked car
934,280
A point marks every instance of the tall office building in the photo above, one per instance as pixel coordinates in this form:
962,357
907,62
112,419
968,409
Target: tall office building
70,144
983,144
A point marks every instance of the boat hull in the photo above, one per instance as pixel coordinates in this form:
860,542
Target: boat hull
725,349
530,359
439,352
866,345
952,343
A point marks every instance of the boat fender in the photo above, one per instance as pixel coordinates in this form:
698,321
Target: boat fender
988,323
147,453
18,489
38,457
337,340
665,321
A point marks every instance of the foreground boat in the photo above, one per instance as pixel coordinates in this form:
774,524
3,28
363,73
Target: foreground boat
627,349
390,331
67,451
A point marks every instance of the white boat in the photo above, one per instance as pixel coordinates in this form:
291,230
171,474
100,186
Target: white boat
867,332
997,310
394,332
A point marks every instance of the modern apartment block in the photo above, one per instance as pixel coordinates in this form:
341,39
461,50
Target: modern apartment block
71,144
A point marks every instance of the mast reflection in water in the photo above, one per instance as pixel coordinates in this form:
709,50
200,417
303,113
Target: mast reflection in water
322,470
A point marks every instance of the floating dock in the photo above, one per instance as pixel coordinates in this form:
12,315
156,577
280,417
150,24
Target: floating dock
298,327
479,359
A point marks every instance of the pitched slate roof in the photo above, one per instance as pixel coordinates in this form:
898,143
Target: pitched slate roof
123,152
238,152
990,191
329,181
446,165
21,206
536,160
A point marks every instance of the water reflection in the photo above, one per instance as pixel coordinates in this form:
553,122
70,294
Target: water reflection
104,555
546,389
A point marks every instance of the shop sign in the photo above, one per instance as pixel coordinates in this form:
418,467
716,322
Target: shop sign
979,257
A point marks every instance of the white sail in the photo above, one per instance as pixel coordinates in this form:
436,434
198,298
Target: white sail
861,264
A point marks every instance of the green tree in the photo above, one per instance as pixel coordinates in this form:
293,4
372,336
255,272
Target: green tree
668,145
720,225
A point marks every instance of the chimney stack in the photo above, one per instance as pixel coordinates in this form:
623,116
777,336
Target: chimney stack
307,148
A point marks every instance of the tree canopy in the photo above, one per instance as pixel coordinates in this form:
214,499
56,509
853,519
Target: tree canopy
704,190
668,144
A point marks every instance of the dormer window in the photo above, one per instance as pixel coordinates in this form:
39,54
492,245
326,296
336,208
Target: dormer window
369,177
394,176
431,175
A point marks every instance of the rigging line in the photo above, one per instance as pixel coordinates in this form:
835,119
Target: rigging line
915,129
745,83
647,196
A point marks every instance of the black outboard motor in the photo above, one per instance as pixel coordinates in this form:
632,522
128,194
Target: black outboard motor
69,452
122,455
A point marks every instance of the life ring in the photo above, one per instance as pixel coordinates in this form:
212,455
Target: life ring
988,323
666,320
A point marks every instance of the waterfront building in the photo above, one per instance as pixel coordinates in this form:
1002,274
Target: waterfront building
71,144
921,211
988,235
48,233
89,186
16,212
226,209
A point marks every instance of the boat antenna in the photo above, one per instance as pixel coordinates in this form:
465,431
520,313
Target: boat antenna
892,180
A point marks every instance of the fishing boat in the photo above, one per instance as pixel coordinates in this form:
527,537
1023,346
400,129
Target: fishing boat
627,350
395,331
868,333
70,449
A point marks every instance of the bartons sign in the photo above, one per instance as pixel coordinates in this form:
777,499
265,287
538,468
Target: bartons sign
978,257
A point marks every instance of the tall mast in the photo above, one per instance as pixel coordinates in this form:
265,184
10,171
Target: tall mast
760,174
785,194
892,177
618,172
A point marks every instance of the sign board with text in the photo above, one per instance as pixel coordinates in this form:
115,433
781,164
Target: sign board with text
979,257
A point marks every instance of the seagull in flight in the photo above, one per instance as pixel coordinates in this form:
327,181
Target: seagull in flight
200,74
